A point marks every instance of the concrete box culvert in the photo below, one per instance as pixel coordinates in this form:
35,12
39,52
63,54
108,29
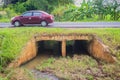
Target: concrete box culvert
95,47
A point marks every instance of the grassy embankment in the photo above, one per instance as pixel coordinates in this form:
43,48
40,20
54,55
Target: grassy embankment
12,41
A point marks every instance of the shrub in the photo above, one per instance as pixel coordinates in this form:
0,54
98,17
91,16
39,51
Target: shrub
20,7
89,10
9,12
58,12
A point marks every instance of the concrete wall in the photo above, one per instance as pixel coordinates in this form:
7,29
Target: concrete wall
100,51
28,53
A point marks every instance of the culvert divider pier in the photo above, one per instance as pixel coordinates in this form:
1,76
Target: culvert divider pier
95,47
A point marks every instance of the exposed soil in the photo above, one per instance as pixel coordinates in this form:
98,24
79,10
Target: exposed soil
38,75
19,74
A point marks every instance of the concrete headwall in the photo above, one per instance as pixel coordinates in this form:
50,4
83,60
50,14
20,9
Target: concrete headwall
28,53
100,51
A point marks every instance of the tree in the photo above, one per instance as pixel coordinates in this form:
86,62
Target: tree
15,1
46,5
6,2
105,7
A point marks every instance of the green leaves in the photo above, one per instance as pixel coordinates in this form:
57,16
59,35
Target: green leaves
105,8
89,10
45,5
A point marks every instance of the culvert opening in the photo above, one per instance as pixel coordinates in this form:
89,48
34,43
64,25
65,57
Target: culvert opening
81,46
77,47
54,48
49,48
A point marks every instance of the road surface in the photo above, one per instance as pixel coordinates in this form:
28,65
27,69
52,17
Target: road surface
75,25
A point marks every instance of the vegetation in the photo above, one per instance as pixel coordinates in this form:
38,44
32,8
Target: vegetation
65,10
16,7
6,14
80,67
95,10
47,5
12,41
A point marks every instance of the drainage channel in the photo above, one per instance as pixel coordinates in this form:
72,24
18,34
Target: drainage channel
52,45
51,49
38,75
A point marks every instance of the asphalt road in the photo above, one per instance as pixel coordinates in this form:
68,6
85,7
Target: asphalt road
74,25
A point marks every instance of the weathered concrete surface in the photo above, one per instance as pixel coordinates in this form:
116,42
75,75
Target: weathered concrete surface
63,48
100,51
28,52
61,37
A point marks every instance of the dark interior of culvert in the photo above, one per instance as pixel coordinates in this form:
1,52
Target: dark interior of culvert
54,47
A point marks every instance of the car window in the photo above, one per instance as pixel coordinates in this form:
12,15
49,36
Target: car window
36,13
27,14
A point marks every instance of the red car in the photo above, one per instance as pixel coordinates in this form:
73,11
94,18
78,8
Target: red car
32,17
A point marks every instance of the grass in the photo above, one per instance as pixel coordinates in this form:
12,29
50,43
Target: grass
12,40
4,20
92,20
80,67
89,20
68,68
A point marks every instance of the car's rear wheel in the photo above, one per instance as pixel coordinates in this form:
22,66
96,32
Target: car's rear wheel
44,23
17,23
